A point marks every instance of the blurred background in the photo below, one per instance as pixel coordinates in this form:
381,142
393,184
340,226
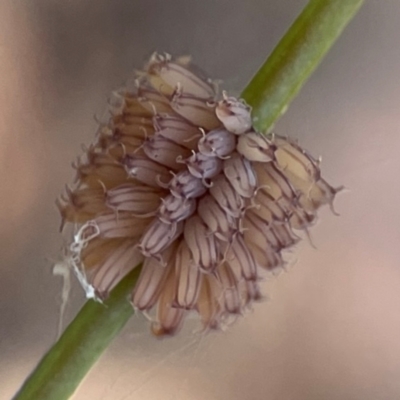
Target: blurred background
331,327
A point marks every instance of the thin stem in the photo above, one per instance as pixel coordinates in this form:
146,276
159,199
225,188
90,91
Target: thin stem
62,369
296,56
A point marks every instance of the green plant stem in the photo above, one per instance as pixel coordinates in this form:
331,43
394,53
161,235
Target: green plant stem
62,369
296,56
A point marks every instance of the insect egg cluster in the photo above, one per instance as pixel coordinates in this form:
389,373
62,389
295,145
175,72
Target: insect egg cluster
179,180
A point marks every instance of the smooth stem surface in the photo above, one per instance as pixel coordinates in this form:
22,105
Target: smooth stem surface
298,53
65,365
62,369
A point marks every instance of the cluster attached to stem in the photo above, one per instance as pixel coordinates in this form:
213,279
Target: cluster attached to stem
179,180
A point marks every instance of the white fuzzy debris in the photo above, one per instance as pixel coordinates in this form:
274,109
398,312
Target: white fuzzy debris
88,288
81,239
63,269
85,234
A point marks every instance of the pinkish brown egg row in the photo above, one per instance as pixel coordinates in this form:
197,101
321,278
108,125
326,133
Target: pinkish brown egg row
180,181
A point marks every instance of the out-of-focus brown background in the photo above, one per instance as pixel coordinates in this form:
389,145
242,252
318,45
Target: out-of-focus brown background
331,330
